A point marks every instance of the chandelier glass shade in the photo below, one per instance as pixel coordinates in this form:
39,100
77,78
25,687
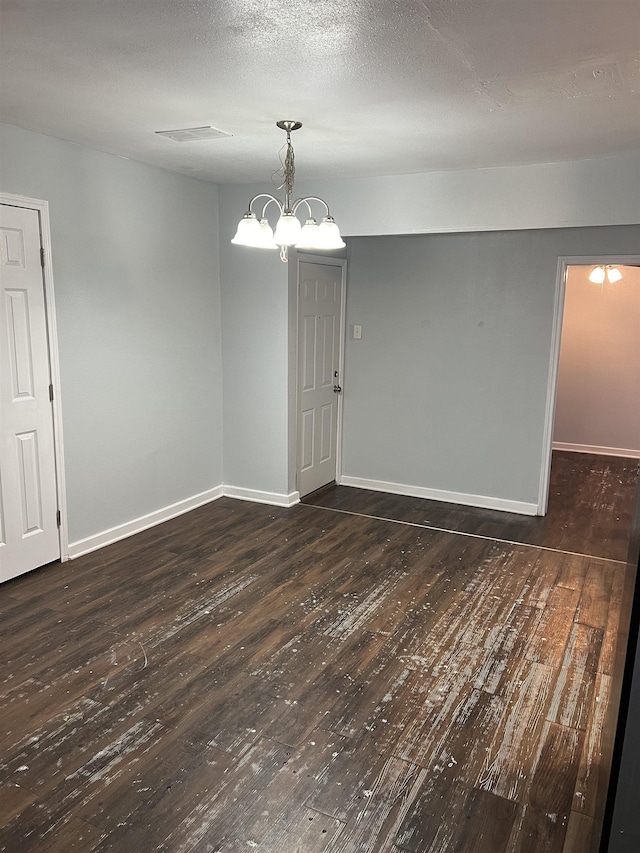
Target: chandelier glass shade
597,274
289,230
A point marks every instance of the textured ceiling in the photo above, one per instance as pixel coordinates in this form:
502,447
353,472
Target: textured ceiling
382,86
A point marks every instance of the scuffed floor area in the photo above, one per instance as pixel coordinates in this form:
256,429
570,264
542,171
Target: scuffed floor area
311,680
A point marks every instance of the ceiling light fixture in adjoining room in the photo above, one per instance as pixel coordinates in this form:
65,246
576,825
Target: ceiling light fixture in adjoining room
597,274
257,233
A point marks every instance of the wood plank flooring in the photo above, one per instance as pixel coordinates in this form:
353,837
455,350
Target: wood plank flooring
313,681
591,501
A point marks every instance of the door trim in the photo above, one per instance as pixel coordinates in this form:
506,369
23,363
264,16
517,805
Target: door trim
564,261
42,208
332,262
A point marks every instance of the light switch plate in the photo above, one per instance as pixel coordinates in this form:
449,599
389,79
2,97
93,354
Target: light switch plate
357,333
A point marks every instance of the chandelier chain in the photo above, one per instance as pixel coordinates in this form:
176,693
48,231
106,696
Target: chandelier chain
289,173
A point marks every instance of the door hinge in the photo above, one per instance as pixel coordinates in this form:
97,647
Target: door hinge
58,518
51,393
42,257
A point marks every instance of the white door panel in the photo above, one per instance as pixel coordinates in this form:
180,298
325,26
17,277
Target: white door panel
327,419
28,498
319,325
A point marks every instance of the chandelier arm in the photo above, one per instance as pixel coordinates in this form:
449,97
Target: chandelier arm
306,201
271,200
264,195
297,204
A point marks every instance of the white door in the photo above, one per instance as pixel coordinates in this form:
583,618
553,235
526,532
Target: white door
28,497
319,330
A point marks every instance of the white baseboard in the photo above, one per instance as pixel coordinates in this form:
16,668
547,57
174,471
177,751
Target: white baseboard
481,501
130,528
122,531
273,498
600,451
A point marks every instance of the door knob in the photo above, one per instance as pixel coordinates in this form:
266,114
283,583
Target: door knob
337,389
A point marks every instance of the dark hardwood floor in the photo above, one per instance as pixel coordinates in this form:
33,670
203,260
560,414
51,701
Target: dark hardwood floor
590,508
308,680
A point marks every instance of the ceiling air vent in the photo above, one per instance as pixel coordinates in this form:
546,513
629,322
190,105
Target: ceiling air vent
193,134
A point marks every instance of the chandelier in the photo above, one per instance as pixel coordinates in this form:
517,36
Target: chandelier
597,274
257,233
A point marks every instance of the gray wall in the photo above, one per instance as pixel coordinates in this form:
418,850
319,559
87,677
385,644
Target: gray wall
141,283
259,358
255,356
573,193
135,255
447,388
598,400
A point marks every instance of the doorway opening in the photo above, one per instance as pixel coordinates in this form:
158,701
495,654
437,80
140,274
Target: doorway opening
586,368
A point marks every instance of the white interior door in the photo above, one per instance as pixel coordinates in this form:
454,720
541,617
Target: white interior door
319,330
28,494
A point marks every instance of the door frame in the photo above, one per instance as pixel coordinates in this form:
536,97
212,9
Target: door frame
324,261
564,261
42,208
